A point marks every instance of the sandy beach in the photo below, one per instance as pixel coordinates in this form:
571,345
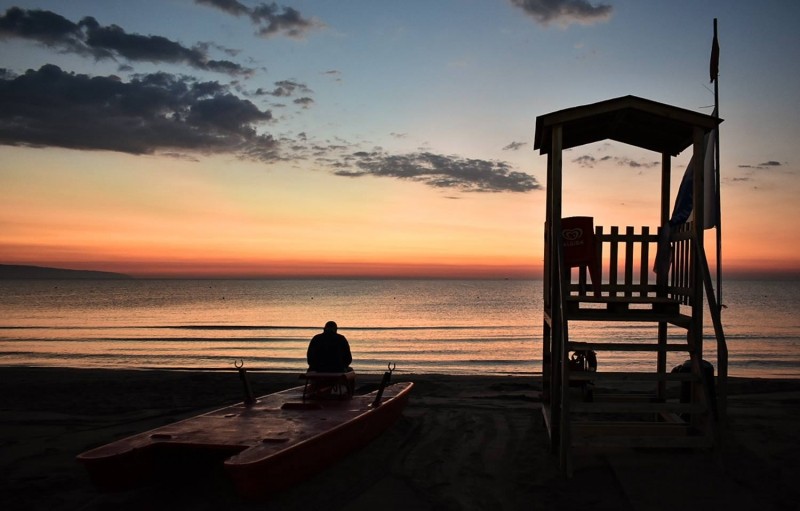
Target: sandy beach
463,443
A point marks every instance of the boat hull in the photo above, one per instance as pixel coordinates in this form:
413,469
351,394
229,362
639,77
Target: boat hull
276,442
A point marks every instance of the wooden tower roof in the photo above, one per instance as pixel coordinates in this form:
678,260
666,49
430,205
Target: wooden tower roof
632,120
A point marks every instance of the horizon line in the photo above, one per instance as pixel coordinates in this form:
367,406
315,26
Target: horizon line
463,274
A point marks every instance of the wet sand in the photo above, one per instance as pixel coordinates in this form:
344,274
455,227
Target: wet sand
462,443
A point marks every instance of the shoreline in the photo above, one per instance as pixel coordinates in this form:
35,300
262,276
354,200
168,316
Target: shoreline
372,373
464,442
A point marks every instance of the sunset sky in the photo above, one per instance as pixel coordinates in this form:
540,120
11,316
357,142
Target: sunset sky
371,138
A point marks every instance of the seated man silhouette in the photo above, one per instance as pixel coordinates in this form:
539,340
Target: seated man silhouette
329,352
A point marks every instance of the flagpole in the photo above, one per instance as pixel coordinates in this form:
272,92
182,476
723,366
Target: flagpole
717,176
714,75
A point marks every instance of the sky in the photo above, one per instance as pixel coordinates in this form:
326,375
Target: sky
238,138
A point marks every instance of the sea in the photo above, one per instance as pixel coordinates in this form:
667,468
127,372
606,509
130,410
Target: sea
457,327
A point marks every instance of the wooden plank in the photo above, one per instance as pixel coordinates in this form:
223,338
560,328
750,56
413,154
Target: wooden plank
613,262
679,320
637,407
598,232
644,263
666,174
629,243
630,397
623,299
623,311
627,346
633,376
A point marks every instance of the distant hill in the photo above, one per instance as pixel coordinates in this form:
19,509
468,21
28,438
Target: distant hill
17,271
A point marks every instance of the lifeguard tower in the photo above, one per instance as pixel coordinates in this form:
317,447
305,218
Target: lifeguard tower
657,407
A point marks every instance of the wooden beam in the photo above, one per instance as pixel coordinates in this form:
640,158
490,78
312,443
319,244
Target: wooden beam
666,171
666,176
559,378
698,159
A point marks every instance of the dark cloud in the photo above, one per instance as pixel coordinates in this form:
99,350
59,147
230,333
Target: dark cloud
151,113
627,162
439,171
271,19
435,170
334,74
762,165
564,12
230,6
88,37
589,161
514,146
286,88
304,102
275,20
43,26
585,161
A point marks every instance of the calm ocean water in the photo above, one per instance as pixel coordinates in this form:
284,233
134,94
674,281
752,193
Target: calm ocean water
424,326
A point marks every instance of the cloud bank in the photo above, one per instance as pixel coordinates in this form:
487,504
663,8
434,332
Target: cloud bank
155,112
168,114
182,116
439,171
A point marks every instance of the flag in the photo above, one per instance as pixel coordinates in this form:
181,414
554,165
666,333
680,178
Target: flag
713,67
682,211
683,202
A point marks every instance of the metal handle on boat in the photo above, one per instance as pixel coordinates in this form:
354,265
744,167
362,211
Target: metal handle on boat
387,378
249,400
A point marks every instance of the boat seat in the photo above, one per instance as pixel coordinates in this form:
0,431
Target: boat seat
328,385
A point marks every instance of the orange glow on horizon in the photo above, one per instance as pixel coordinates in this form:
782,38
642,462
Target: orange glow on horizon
181,221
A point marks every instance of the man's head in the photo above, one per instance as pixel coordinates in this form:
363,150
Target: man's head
331,327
